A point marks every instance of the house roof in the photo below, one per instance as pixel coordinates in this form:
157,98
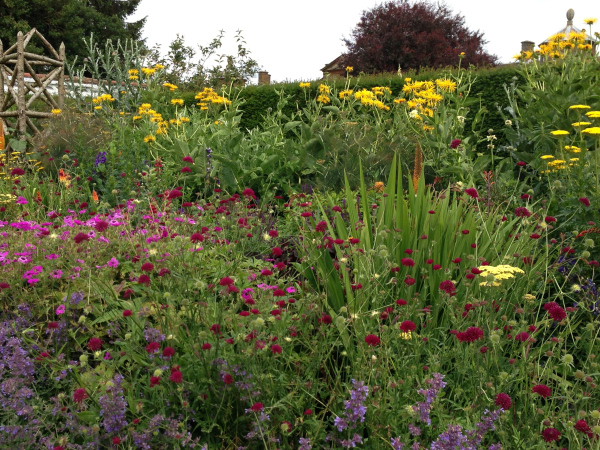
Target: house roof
336,64
568,29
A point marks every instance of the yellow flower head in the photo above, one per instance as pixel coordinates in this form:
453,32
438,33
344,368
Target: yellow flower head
446,85
594,131
559,133
304,85
579,107
572,149
590,20
56,111
581,124
133,71
149,138
349,69
177,101
323,99
593,114
547,157
323,89
345,93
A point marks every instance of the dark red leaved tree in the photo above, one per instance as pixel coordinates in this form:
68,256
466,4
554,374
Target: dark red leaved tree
411,35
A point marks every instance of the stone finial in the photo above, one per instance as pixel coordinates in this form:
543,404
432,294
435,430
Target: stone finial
570,15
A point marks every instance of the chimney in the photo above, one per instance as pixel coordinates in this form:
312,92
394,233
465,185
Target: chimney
527,46
264,77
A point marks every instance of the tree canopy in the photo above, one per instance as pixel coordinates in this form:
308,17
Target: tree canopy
413,34
69,21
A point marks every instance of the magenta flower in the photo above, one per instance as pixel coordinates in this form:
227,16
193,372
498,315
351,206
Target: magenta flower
60,310
22,201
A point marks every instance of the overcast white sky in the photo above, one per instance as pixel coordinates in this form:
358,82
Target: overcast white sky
293,40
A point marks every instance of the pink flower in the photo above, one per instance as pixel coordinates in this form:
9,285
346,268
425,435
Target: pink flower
276,349
372,340
60,310
471,192
584,200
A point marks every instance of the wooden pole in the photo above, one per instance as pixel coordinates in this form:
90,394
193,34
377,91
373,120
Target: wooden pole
20,72
61,76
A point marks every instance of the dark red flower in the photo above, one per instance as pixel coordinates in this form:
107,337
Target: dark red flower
525,197
306,214
277,252
353,240
471,334
541,389
308,412
176,376
147,267
550,434
436,267
522,337
321,226
154,381
144,279
17,171
227,378
52,325
257,407
557,313
206,346
483,350
226,281
400,302
276,349
407,326
4,286
503,401
185,170
409,281
188,159
127,313
152,347
407,262
164,271
325,319
95,344
521,164
80,237
549,219
583,427
472,192
79,395
372,340
101,225
455,143
448,287
585,201
522,212
168,352
196,237
175,193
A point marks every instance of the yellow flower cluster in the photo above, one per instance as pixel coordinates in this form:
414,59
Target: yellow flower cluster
558,44
171,87
323,99
324,89
559,133
149,138
590,21
378,90
424,96
572,149
145,109
304,85
346,93
369,98
148,71
103,98
56,111
209,96
594,131
177,101
593,114
446,85
495,274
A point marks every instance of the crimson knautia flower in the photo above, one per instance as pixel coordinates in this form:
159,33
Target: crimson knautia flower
80,237
175,193
152,347
79,395
147,267
144,279
95,344
176,376
583,427
550,434
522,337
407,262
408,326
448,287
16,172
584,201
455,143
503,401
541,389
127,313
471,334
372,340
101,225
154,381
276,349
188,159
522,212
472,192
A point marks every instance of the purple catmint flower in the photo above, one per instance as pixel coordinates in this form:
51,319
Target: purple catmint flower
355,408
451,439
397,444
414,430
153,335
424,408
304,444
113,407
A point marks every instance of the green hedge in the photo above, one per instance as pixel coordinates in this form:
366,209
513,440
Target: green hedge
258,99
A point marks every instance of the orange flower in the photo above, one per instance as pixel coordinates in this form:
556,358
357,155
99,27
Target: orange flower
38,196
94,196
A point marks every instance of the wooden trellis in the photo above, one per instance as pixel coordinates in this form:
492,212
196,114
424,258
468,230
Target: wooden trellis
14,63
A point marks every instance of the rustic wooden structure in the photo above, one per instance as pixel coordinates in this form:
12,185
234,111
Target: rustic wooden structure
15,62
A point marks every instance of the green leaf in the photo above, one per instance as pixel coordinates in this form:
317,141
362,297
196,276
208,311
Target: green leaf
87,416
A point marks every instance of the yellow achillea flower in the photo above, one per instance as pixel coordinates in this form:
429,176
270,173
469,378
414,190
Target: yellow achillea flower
304,85
149,138
495,274
136,117
177,101
406,336
593,114
323,89
56,111
323,99
590,20
547,157
559,133
97,107
579,107
581,124
349,69
171,87
572,149
595,131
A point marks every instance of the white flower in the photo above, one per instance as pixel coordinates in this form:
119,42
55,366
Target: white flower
461,119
